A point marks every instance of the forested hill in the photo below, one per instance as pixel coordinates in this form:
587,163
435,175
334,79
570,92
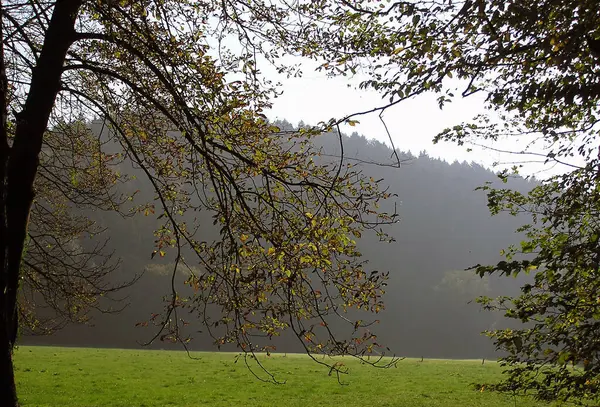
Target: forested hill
444,227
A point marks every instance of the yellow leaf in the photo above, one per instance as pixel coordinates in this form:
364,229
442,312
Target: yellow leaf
305,259
398,50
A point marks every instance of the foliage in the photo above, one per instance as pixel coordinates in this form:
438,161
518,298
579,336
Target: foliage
536,65
194,123
64,277
555,354
443,227
71,377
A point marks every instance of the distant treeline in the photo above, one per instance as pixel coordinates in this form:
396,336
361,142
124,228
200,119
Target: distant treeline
444,228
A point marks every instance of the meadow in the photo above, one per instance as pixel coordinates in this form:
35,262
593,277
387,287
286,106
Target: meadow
70,377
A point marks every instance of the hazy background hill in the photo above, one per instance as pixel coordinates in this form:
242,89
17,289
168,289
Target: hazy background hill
445,227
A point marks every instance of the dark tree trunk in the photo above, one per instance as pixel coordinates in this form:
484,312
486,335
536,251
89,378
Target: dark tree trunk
8,391
18,171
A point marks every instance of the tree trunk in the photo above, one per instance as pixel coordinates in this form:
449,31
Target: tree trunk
8,390
19,170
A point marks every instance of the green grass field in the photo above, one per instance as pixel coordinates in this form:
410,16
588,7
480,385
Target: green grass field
69,377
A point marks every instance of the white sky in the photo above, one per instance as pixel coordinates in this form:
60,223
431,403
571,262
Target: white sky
412,123
314,97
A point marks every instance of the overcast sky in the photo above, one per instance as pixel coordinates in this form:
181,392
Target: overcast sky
412,124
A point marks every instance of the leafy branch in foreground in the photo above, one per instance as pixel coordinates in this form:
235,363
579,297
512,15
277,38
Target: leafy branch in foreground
535,63
194,124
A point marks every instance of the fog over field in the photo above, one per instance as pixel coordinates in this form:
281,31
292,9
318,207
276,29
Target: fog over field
444,228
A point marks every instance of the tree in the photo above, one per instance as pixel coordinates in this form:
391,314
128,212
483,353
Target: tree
536,63
64,274
463,285
65,271
286,256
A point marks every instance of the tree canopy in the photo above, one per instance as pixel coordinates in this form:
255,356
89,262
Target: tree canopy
536,63
191,116
189,111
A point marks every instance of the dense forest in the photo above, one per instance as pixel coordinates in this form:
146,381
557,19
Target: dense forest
444,228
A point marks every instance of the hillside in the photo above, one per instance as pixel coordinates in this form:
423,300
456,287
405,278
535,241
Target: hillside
444,228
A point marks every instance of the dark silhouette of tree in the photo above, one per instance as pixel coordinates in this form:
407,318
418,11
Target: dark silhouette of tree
286,257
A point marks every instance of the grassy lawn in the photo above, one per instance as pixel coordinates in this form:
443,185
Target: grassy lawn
69,377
